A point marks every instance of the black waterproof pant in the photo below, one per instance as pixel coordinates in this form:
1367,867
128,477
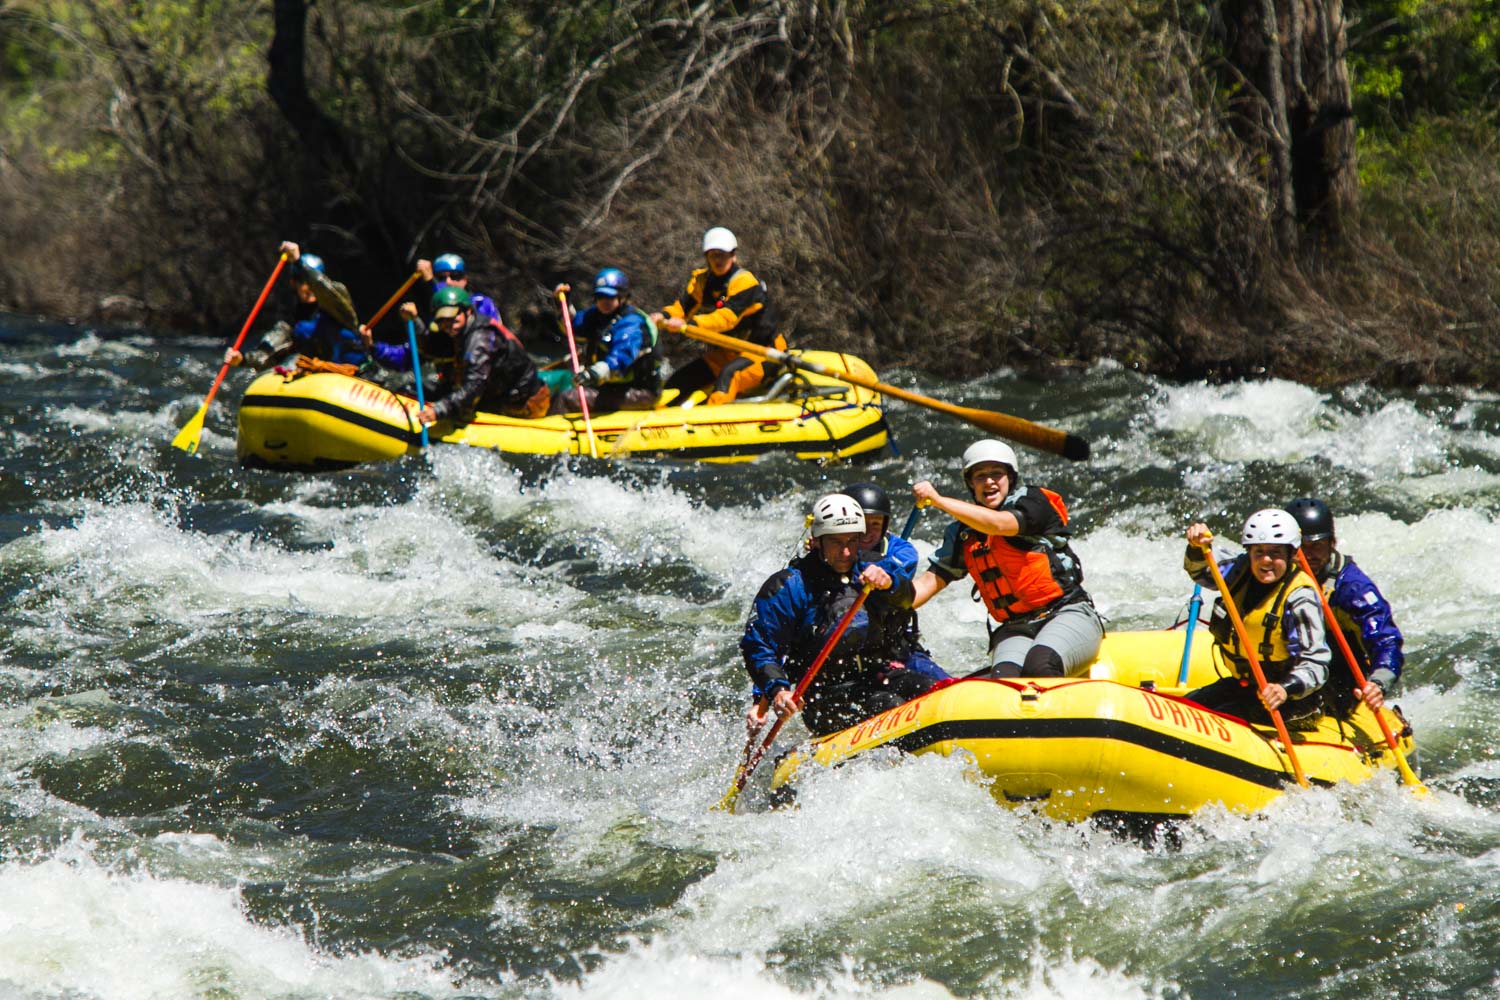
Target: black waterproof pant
843,702
1229,696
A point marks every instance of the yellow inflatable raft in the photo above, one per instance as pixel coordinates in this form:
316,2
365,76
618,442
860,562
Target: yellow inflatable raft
1119,742
326,420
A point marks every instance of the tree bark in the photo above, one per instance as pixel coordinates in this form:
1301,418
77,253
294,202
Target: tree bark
286,82
1296,105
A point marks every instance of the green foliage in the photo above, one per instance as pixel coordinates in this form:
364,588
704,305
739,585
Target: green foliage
1408,58
1041,179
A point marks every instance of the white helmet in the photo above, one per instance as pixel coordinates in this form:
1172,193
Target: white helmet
1272,526
989,450
837,514
719,238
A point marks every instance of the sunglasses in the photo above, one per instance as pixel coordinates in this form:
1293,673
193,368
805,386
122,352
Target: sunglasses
447,276
603,295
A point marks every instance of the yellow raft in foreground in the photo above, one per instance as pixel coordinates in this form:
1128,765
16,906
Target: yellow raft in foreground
1116,743
325,420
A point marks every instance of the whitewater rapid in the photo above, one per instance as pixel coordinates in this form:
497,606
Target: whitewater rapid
451,727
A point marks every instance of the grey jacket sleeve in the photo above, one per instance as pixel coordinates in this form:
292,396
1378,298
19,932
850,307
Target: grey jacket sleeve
1306,636
276,343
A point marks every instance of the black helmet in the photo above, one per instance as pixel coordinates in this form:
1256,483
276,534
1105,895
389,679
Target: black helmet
1314,517
871,497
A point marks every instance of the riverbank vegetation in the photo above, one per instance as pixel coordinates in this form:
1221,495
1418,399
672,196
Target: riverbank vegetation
1306,188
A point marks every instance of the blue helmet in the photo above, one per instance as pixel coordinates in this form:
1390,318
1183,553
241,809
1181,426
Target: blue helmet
310,262
611,281
449,263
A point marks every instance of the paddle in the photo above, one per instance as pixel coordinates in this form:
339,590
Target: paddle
1407,775
187,438
748,764
1248,648
583,396
742,776
416,370
1048,439
380,313
1195,604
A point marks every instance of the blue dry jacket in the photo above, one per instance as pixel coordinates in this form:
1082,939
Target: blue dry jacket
791,618
320,336
895,635
625,341
1364,615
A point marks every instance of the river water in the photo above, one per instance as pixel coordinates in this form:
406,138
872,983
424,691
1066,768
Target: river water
450,727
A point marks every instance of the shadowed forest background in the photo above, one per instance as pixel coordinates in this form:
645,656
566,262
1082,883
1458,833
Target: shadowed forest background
1305,188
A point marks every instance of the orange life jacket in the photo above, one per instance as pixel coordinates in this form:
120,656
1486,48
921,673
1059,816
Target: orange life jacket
1015,575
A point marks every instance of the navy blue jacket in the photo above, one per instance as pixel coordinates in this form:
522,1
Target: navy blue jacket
1364,616
792,617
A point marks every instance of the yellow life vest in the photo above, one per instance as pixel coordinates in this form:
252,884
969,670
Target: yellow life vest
1265,625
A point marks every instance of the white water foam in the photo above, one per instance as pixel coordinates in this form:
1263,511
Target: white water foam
70,926
1280,421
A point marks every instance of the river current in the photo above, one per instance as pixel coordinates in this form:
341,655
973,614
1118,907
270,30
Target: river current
451,726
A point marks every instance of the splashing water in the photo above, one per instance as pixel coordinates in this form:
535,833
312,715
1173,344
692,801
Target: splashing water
450,727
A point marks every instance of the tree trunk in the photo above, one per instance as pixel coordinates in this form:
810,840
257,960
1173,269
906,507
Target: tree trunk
287,84
1296,105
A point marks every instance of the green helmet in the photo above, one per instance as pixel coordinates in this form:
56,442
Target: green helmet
448,297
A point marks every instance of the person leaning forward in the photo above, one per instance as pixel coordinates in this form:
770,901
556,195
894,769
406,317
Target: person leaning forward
479,368
793,615
1283,619
725,298
1361,610
621,369
1013,542
324,325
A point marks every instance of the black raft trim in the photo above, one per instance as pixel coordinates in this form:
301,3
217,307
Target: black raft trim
1098,729
723,451
343,413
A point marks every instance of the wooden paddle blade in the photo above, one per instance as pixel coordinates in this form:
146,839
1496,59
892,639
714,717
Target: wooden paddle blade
1049,439
187,438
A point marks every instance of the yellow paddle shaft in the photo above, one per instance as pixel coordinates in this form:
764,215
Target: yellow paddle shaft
1248,648
1047,439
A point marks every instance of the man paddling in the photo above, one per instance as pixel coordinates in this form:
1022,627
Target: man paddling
478,368
621,367
1362,612
722,297
795,611
325,325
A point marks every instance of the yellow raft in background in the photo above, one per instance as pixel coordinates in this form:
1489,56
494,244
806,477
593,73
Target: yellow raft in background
326,420
1117,742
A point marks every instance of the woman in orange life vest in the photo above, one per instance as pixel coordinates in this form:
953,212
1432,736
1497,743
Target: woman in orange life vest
1012,541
